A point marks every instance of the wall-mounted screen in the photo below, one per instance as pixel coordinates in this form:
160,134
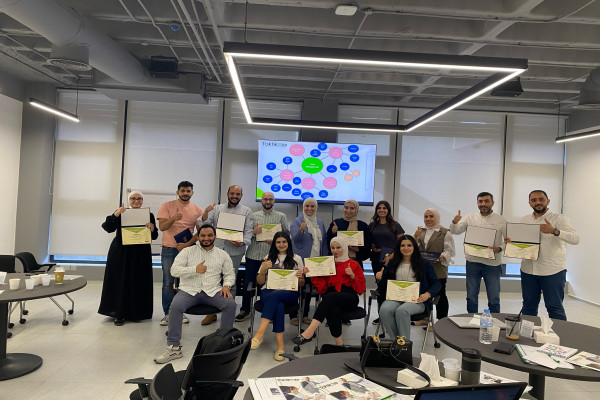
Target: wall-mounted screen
329,172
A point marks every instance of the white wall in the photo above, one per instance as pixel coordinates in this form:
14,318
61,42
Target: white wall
10,134
581,199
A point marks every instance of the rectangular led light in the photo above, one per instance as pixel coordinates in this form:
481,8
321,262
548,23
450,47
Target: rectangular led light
502,69
583,135
54,110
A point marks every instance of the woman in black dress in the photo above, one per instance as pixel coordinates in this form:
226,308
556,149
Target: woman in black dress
128,285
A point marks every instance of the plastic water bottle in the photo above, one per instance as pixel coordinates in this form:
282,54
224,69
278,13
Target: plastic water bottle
485,327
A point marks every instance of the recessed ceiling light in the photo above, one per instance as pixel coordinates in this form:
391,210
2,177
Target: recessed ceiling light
345,10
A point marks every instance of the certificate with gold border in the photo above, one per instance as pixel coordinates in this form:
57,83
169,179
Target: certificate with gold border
320,266
282,279
135,235
402,291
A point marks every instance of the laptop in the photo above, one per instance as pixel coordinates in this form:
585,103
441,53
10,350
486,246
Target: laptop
496,391
465,322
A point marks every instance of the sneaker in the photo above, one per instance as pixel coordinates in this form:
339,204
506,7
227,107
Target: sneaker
164,321
171,353
242,316
209,319
375,321
294,321
185,320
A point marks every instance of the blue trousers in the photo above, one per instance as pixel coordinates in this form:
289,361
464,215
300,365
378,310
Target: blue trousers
251,269
274,306
553,288
167,256
491,278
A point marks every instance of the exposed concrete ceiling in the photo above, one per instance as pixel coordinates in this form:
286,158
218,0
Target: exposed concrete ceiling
561,40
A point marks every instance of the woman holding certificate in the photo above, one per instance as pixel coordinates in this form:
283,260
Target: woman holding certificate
339,293
280,257
127,287
408,282
353,230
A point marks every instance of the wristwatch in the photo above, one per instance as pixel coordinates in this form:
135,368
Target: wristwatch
556,232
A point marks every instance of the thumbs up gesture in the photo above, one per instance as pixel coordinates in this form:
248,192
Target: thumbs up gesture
257,229
348,271
418,232
209,208
334,228
303,225
120,210
379,274
457,218
178,215
201,268
547,227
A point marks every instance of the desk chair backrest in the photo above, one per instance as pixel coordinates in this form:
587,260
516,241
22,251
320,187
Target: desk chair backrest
165,385
30,264
7,263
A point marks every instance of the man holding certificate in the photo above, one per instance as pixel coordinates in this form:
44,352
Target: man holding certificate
234,223
483,253
547,274
266,223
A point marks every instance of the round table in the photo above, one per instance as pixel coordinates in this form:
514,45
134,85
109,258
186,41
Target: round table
13,365
581,337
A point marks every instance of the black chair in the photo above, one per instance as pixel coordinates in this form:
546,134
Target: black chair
198,309
7,264
258,305
208,376
164,385
416,317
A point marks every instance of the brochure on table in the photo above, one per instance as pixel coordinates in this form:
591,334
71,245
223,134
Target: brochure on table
133,226
524,241
231,227
478,241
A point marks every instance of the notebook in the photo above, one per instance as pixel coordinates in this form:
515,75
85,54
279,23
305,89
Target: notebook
465,322
504,391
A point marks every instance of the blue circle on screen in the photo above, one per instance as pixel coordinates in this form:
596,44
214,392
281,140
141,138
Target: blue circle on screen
287,160
296,192
315,153
307,195
267,179
331,168
287,187
354,157
353,148
297,181
323,194
271,166
322,146
344,166
275,188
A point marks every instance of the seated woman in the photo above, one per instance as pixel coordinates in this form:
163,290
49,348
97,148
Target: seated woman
339,293
406,265
280,256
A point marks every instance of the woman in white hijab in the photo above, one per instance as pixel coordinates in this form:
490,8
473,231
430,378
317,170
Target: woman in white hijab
340,292
128,287
437,246
308,240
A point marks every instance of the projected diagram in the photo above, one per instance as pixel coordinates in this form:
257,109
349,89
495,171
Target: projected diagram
329,172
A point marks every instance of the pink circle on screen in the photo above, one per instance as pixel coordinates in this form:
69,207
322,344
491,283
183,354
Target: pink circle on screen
329,183
356,173
348,177
308,183
297,150
286,175
335,152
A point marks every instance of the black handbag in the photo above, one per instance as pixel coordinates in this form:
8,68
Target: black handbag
393,353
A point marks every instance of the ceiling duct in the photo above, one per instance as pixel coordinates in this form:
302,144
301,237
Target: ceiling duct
72,58
589,95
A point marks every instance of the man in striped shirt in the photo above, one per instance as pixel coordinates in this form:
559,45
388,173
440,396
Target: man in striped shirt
200,270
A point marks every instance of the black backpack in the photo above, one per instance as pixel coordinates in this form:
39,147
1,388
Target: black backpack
220,340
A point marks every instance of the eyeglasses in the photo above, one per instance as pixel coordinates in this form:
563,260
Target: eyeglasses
136,198
269,200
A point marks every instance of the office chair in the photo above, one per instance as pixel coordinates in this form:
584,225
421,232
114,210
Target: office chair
7,264
31,267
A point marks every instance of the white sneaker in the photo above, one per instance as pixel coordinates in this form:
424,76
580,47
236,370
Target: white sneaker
164,321
171,353
185,320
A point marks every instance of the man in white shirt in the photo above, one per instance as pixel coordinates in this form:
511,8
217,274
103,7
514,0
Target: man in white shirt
200,270
477,267
547,274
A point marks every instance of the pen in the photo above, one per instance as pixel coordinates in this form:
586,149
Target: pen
556,361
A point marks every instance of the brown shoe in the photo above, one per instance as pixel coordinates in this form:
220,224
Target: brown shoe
307,320
422,322
294,321
209,319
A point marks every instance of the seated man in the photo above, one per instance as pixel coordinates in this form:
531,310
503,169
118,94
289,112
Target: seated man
200,270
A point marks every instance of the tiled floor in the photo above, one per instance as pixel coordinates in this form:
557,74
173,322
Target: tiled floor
91,358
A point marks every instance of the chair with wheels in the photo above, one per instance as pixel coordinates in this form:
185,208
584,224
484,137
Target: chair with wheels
198,309
7,264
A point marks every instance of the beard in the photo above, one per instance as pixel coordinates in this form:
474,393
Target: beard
206,243
185,197
540,211
268,206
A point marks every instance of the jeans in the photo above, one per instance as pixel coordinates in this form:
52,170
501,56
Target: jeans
491,277
553,288
252,267
167,256
395,316
274,306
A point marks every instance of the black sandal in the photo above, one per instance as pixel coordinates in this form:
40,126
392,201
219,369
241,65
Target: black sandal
300,340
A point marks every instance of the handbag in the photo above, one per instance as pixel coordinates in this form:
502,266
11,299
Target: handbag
393,353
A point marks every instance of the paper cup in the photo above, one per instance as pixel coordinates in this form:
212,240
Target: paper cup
2,277
59,277
14,283
495,333
452,372
29,283
45,280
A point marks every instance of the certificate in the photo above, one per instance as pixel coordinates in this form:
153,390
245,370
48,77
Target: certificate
227,234
282,279
320,266
135,235
268,231
353,238
478,240
525,241
135,217
402,291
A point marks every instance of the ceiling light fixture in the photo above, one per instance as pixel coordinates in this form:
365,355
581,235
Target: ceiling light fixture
54,110
576,136
503,69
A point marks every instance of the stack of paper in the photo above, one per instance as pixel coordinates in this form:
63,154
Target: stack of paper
586,360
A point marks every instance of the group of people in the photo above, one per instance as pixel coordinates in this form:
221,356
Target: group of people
207,273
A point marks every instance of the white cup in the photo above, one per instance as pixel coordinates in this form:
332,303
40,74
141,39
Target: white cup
29,283
14,283
2,277
452,372
45,280
495,333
